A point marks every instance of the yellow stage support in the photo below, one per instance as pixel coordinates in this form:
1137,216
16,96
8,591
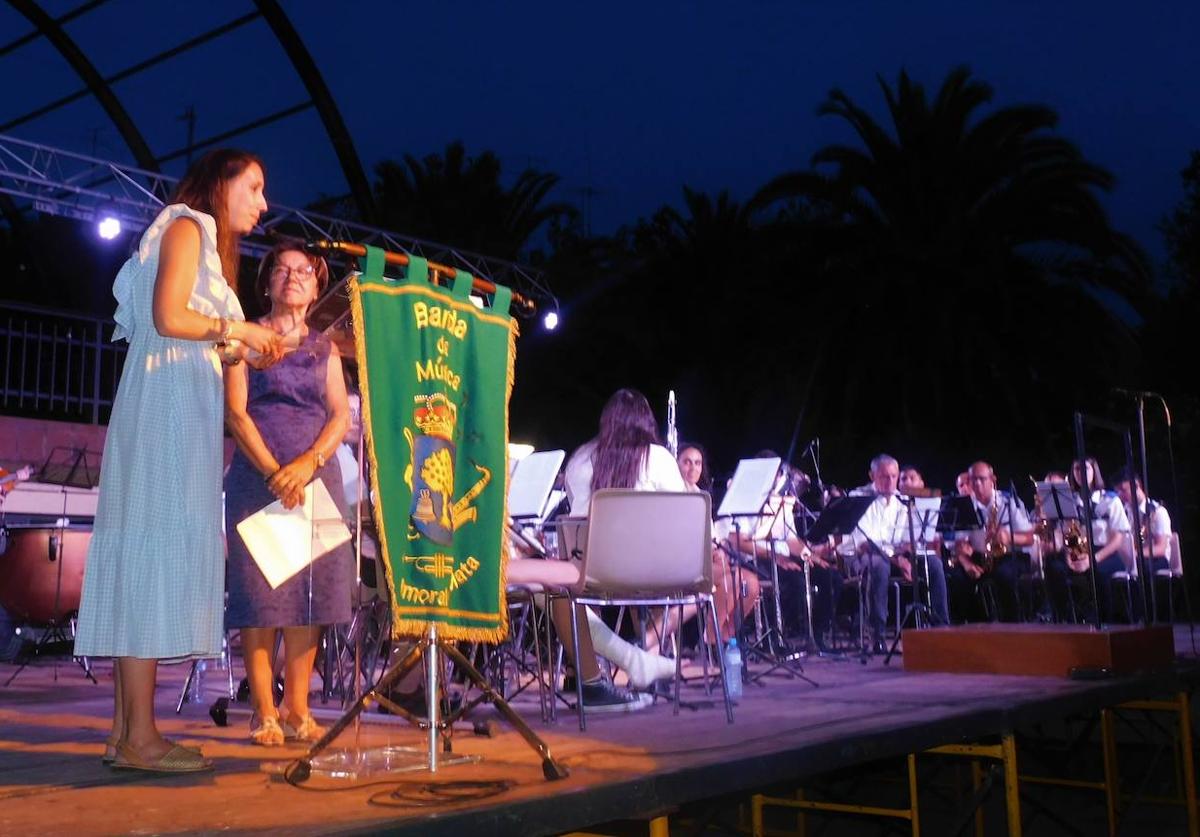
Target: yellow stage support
1005,752
658,827
1185,768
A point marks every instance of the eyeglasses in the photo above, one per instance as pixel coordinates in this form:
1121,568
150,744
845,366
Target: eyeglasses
282,271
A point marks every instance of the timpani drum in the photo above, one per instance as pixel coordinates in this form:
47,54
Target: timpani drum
31,589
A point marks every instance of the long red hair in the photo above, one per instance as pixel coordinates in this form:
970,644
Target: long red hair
203,189
627,430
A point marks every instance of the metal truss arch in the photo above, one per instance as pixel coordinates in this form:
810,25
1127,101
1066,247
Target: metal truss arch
306,68
67,184
83,67
283,32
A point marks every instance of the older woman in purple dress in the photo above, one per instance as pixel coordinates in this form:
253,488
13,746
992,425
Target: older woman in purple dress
288,421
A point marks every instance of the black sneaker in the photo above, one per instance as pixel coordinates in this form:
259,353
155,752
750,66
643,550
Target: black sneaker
603,696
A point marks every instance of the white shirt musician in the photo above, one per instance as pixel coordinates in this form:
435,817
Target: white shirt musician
658,473
1109,532
773,535
1155,522
882,543
987,552
1000,507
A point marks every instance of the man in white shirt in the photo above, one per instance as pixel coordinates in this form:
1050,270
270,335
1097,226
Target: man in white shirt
882,547
1006,524
1154,519
1155,522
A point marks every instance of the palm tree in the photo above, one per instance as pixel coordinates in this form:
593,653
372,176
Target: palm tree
461,201
977,240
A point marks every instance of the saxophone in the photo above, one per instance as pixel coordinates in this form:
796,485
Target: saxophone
1075,546
993,544
1043,529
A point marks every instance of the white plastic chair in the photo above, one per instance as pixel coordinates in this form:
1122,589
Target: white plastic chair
649,548
1172,573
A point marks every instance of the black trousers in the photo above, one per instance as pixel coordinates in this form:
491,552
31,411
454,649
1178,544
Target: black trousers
964,597
1059,578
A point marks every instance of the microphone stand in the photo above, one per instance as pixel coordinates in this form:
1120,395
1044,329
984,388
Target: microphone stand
1012,539
921,609
1140,400
777,653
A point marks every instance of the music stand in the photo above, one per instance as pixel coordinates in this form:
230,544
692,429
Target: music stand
67,468
926,508
958,514
70,467
746,497
840,518
1058,501
749,496
530,488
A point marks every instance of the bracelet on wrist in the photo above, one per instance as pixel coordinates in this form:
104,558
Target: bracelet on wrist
226,328
319,458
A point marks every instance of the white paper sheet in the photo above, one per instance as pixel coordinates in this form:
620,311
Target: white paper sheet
752,484
285,541
532,482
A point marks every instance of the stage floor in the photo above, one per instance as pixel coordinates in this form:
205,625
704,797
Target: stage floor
53,722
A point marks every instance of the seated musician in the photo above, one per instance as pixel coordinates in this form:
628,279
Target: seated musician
988,552
773,537
1110,528
693,467
962,484
911,482
883,548
1154,519
624,454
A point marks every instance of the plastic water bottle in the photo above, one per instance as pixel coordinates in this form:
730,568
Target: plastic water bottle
733,669
196,693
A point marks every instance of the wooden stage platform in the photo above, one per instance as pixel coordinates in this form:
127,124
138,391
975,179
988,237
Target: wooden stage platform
625,766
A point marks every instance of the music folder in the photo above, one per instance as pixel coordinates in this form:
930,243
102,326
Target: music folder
1058,501
285,541
958,514
926,511
840,517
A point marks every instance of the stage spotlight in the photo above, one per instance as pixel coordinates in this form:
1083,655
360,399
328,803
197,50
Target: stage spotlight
109,226
550,321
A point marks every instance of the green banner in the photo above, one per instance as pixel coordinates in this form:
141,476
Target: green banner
436,374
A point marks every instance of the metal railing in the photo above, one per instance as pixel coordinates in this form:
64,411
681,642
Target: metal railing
57,364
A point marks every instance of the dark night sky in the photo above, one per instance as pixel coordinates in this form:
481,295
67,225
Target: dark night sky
633,100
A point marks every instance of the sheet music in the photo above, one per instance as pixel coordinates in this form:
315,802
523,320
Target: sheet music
752,483
285,541
1068,505
531,485
925,518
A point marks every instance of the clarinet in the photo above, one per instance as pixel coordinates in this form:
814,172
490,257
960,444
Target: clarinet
672,430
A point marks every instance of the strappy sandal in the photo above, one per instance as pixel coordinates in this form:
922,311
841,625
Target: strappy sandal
176,760
308,730
110,751
266,732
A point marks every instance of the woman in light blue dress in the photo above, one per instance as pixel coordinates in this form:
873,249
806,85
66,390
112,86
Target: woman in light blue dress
153,586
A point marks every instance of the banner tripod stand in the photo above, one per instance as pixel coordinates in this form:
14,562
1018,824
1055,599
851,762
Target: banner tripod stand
430,648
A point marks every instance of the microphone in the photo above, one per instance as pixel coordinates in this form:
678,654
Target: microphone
1135,393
